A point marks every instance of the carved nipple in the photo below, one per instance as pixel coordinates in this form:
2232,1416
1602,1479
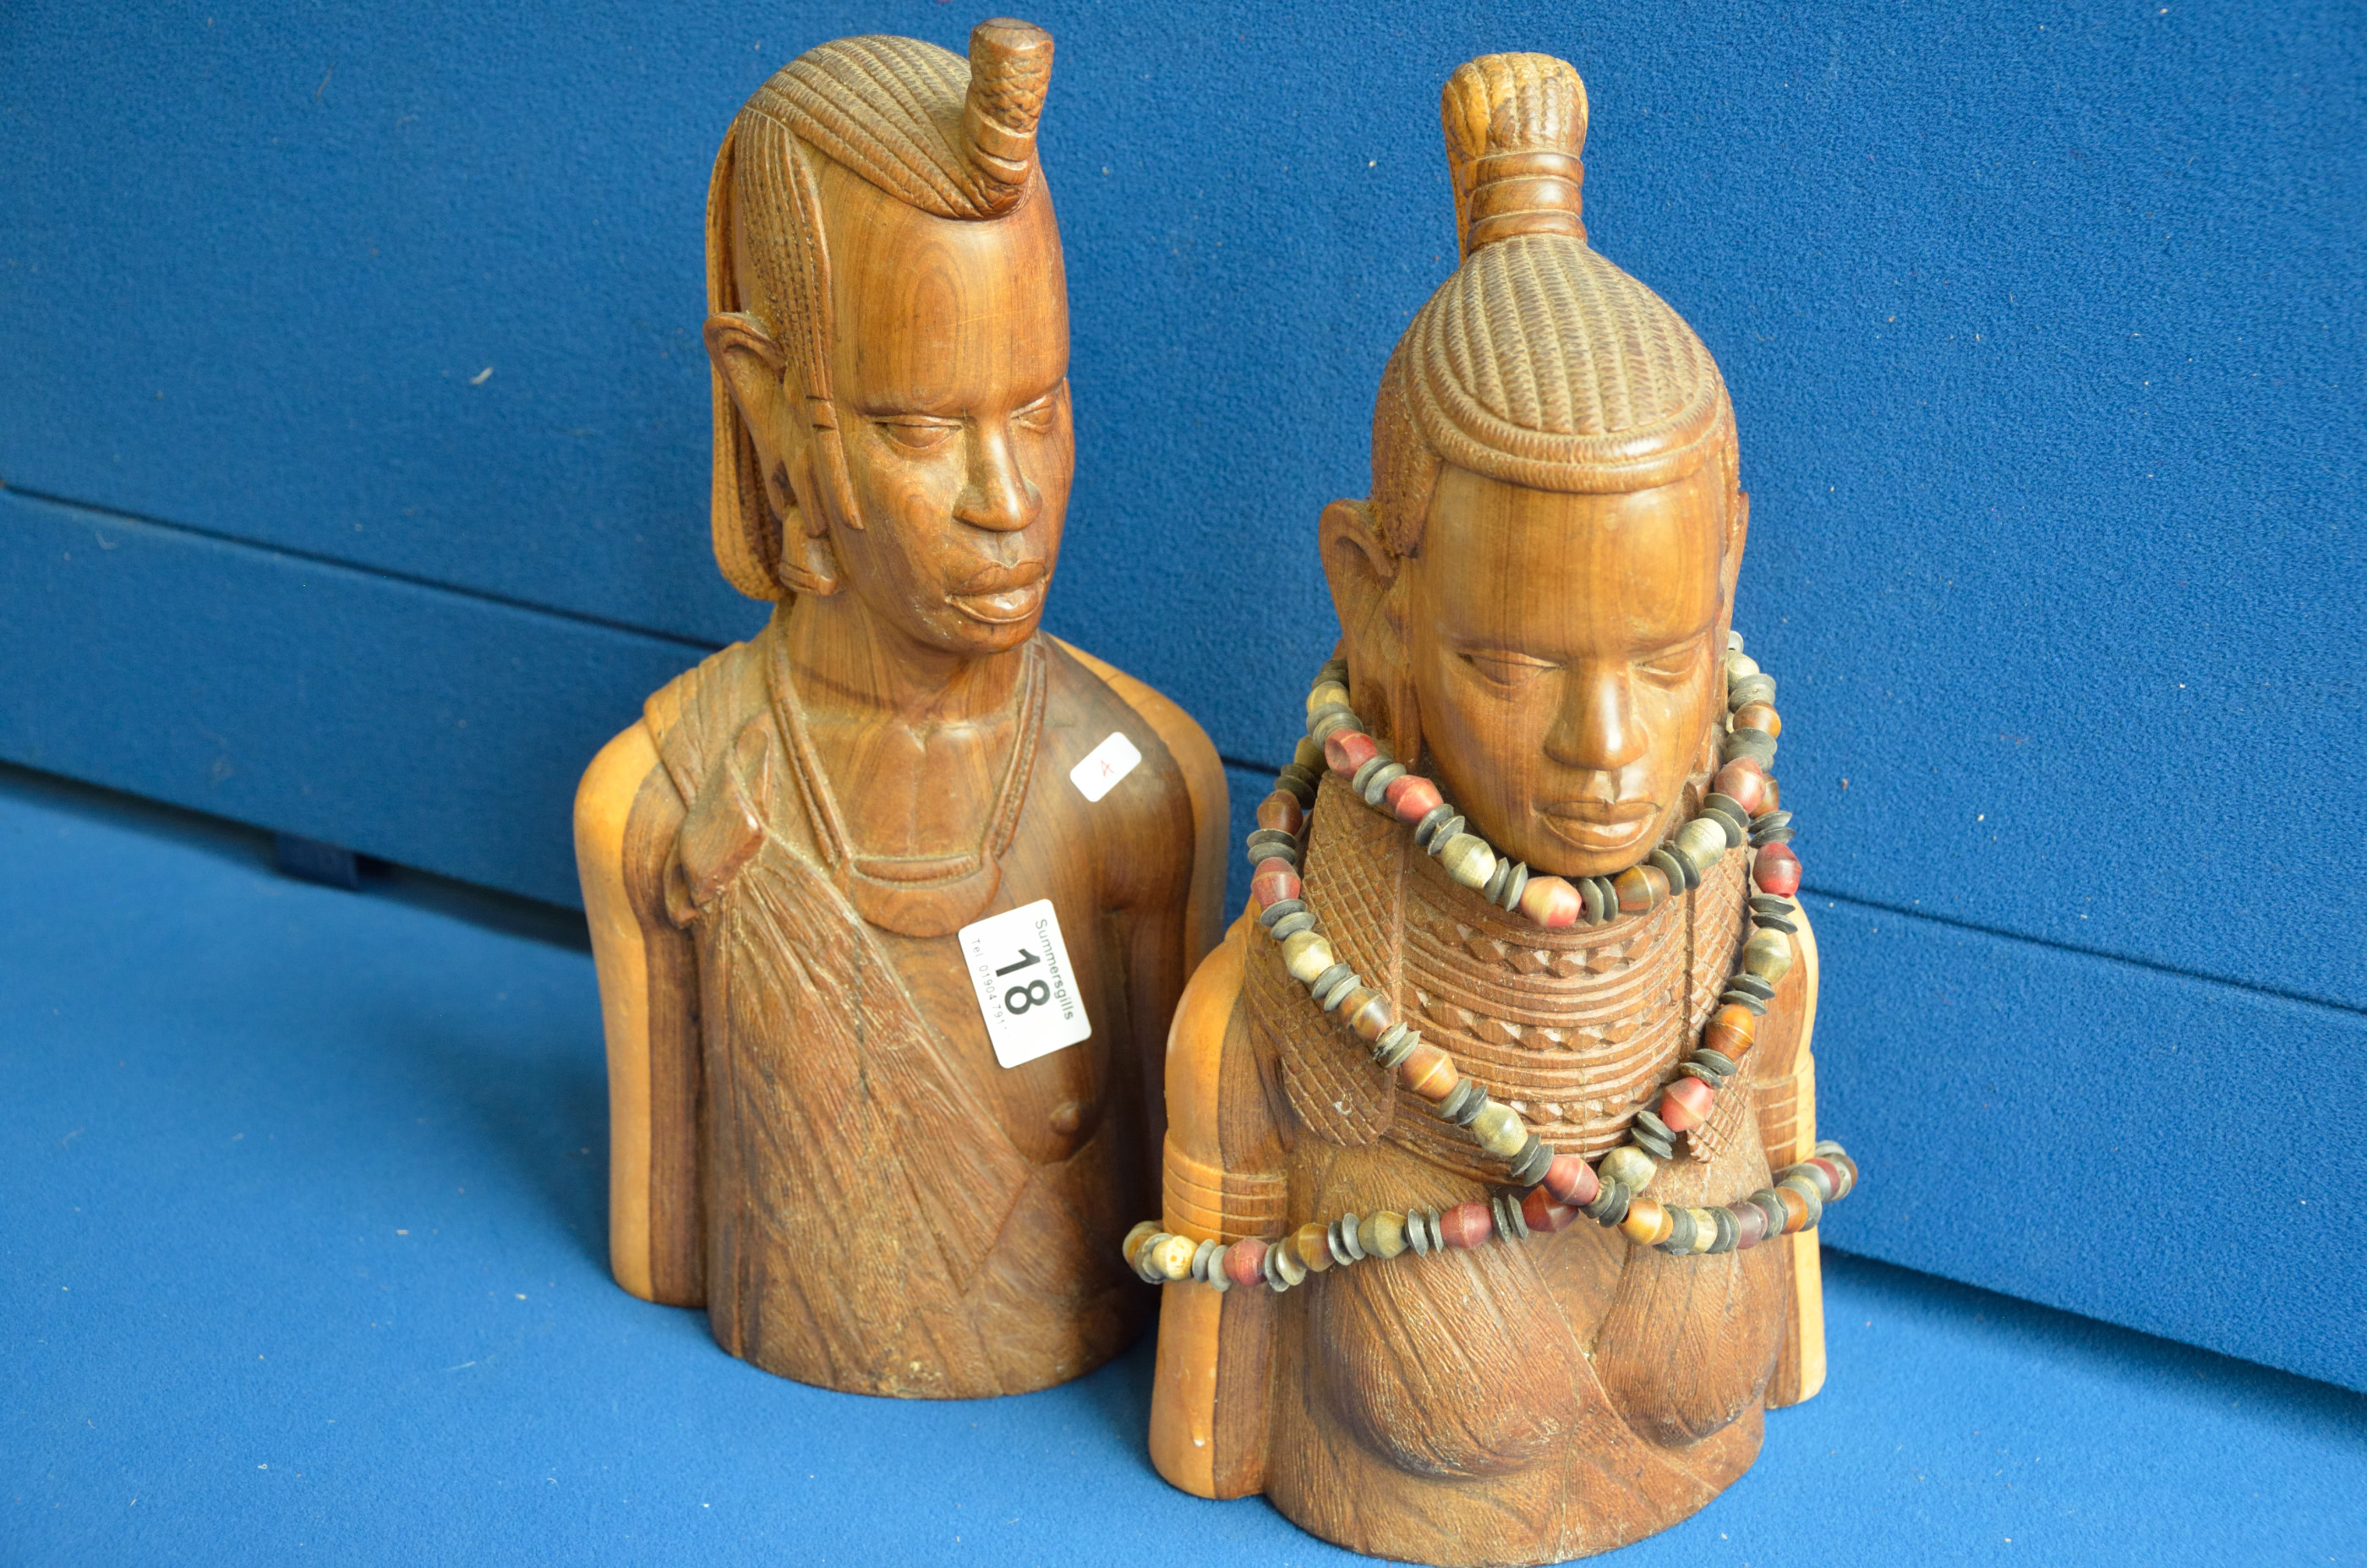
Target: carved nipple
1515,125
1010,70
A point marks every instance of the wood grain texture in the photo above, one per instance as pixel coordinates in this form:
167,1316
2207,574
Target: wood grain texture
812,1136
1536,600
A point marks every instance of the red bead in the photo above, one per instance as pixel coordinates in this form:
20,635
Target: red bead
1749,1225
1741,782
1777,870
1543,1214
1412,799
1687,1104
1349,750
1275,882
1571,1180
1468,1225
1245,1261
1836,1182
1280,811
1551,902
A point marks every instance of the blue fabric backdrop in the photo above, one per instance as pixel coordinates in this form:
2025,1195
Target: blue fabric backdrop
354,437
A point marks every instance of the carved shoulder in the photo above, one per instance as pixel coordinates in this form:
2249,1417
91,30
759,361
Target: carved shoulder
1204,778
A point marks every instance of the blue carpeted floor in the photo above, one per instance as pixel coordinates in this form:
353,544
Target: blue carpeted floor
300,1258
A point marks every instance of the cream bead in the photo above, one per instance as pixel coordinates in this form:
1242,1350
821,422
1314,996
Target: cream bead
1628,1166
1469,859
1498,1130
1306,956
1171,1256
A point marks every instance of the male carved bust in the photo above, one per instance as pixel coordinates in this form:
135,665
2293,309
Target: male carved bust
811,1135
1537,603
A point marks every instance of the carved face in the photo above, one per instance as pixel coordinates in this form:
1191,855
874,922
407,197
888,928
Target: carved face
950,373
1564,654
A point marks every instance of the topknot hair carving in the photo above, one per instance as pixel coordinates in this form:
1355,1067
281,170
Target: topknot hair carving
1538,363
951,137
1515,125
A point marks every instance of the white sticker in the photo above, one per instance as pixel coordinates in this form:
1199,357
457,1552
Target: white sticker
1105,765
1026,990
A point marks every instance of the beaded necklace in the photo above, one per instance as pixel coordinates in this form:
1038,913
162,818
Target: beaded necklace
1550,1190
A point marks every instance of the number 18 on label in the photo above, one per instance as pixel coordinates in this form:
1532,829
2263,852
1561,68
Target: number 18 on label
1026,990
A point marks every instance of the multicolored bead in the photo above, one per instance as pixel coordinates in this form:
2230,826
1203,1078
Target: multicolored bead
1776,870
1571,1180
1743,782
1275,880
1367,1014
1647,1222
1551,902
1640,888
1428,1072
1628,1166
1466,1226
1687,1104
1382,1235
1758,715
1245,1261
1544,1212
1412,798
1312,1243
1731,1030
1345,750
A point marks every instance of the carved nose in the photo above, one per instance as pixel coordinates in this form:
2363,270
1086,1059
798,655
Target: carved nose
1596,726
996,495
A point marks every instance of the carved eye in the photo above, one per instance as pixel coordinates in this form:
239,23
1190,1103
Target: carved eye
1671,665
1503,668
1037,415
916,435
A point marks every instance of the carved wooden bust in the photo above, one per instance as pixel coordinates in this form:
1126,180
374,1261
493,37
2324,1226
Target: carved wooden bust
1536,601
812,1134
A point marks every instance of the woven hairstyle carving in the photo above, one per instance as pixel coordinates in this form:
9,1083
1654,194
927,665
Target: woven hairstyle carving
951,137
1538,363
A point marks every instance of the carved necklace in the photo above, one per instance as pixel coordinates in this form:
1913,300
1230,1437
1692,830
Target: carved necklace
922,897
1550,1191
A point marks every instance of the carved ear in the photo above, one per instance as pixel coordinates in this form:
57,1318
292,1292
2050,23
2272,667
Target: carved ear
751,363
1368,590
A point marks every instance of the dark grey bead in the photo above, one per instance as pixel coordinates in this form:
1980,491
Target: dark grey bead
1717,1062
1773,1207
1771,836
1281,909
1758,1005
1768,904
1441,835
1433,820
1291,924
1515,883
1590,896
1610,898
1610,1205
1377,784
1334,669
1529,1166
1332,998
1329,978
1395,1044
1680,1232
1766,819
1727,1231
1492,890
1753,986
1759,688
1729,821
1329,720
1770,923
1683,877
1421,1231
1463,1102
1755,744
1510,1223
1299,783
1808,1173
1345,1248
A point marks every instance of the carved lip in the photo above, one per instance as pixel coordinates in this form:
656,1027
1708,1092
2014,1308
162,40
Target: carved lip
1600,825
1000,595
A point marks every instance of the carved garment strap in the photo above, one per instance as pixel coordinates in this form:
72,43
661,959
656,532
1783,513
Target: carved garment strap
1355,863
836,1097
1204,1200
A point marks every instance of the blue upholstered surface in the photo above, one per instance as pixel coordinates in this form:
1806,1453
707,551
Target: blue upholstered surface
2041,323
304,1261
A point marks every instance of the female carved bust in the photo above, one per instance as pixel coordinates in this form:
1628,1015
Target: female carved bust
1537,603
812,1134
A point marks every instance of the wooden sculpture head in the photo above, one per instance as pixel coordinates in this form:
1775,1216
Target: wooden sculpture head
1537,594
889,333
